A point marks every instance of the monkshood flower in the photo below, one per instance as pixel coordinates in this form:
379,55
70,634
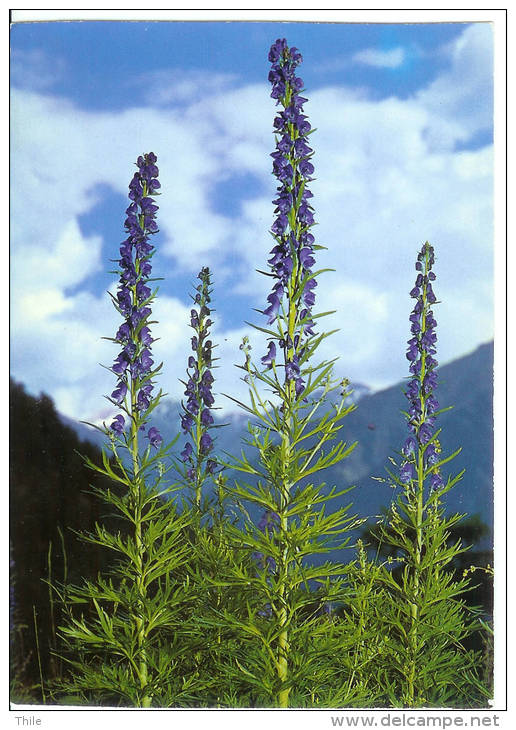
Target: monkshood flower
197,418
134,364
423,404
292,256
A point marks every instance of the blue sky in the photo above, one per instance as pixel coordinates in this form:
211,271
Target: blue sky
403,153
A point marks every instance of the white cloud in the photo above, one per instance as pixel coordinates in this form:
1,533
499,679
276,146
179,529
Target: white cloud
459,101
391,58
179,86
388,177
67,261
33,69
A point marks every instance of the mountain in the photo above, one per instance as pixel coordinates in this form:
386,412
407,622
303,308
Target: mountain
379,427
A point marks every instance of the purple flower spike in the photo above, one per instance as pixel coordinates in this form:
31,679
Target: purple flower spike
135,361
292,257
196,419
423,404
421,348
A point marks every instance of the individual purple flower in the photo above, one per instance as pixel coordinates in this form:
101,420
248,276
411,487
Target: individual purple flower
406,472
436,481
144,397
206,417
206,443
154,437
187,451
269,358
118,424
431,455
120,392
187,422
121,363
409,447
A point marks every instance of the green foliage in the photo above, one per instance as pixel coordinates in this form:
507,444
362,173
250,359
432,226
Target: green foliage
125,633
283,649
422,610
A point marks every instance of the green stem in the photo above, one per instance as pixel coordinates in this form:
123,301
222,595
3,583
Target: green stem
140,627
413,634
138,486
283,639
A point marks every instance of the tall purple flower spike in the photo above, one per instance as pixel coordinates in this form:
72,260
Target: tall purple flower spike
292,256
133,365
423,404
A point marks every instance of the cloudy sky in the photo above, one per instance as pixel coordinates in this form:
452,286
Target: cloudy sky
403,154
